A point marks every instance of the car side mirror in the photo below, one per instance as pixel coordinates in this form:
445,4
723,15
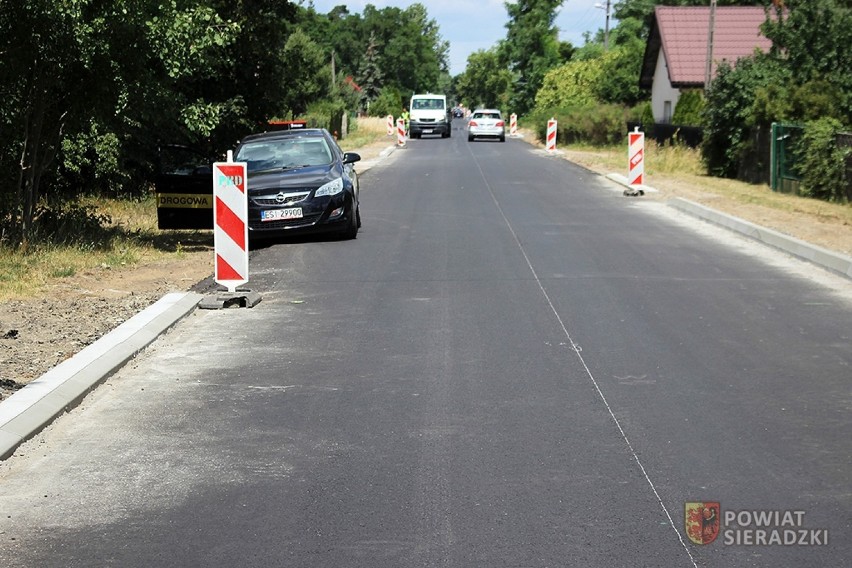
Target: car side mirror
351,157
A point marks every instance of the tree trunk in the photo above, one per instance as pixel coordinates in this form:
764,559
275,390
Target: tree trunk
29,164
36,154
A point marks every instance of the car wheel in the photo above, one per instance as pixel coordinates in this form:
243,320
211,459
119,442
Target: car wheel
469,138
358,215
351,230
503,138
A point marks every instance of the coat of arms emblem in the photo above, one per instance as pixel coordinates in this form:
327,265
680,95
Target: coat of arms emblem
701,520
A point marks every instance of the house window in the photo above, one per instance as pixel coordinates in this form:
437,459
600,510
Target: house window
667,112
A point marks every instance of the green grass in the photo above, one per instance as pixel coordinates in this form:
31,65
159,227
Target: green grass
129,239
63,272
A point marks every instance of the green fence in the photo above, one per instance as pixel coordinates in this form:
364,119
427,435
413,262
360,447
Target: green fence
783,176
844,140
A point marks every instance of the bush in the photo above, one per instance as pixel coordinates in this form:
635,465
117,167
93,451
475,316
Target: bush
689,109
730,112
644,114
817,99
599,125
822,163
388,102
326,114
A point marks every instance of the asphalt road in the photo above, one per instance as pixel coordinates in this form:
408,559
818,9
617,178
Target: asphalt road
513,365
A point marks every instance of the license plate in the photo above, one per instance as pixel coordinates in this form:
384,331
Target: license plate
281,214
427,131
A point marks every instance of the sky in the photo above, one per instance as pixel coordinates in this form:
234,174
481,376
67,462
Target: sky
471,25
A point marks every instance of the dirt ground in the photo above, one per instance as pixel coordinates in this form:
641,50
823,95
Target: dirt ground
37,334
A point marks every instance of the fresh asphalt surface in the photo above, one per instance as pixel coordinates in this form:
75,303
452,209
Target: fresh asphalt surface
513,365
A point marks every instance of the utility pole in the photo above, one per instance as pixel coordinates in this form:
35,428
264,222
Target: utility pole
333,73
606,29
708,70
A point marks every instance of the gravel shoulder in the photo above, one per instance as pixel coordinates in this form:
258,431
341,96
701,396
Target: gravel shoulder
38,333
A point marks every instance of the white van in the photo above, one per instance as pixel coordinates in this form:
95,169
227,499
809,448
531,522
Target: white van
428,114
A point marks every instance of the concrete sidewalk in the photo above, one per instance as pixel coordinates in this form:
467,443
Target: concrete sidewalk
26,412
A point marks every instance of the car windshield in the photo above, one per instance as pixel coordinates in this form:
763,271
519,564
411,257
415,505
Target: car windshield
284,153
427,104
486,115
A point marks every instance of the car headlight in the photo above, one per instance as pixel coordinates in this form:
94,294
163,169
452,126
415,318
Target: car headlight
331,188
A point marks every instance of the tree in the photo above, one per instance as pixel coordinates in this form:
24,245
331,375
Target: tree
83,68
609,78
370,75
570,85
812,38
690,108
484,81
414,56
823,162
37,87
389,102
308,75
339,32
253,73
531,47
807,75
617,83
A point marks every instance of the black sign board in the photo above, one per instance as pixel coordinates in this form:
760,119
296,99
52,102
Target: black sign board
184,189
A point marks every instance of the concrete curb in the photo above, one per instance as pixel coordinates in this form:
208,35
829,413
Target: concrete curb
834,261
32,408
365,165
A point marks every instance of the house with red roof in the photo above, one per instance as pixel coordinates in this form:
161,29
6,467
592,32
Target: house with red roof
676,53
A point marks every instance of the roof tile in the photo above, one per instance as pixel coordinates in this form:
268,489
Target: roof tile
684,31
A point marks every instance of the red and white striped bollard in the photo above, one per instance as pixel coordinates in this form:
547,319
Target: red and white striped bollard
636,158
513,124
550,143
400,132
230,223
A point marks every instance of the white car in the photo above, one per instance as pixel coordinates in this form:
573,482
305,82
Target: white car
486,122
